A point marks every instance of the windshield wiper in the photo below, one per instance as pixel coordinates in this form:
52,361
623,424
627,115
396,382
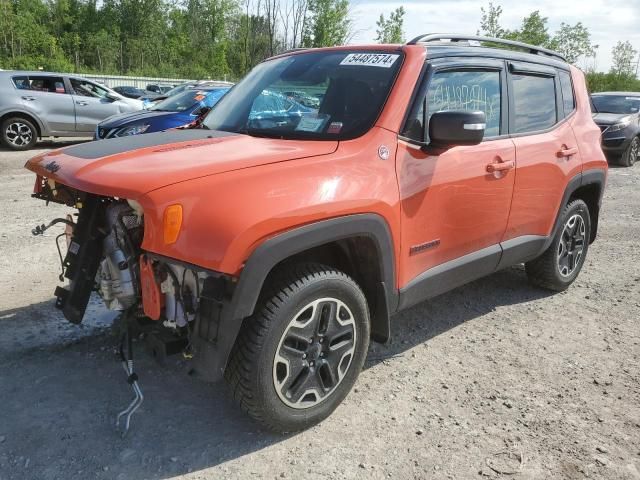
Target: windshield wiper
253,132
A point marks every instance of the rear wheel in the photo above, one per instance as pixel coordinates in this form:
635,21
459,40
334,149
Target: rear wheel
18,133
299,355
561,263
632,154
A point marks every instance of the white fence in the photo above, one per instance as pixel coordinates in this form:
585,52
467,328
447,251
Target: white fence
139,82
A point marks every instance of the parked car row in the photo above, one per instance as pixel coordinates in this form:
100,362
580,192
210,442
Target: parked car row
41,104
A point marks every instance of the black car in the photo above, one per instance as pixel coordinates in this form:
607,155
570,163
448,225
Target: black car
129,91
618,116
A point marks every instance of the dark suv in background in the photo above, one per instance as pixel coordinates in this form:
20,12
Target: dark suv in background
618,116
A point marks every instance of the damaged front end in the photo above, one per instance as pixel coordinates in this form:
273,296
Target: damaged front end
171,302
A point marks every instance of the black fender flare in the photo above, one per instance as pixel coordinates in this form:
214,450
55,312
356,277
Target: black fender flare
213,357
596,176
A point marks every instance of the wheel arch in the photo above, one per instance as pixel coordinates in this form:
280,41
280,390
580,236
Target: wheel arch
330,240
360,245
590,191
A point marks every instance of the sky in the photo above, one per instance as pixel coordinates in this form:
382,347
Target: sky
607,20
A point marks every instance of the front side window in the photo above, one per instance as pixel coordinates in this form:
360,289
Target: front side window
330,95
534,100
88,89
467,90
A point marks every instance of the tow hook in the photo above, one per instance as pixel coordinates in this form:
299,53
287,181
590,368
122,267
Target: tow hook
132,379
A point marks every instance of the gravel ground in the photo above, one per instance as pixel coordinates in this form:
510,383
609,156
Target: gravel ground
496,379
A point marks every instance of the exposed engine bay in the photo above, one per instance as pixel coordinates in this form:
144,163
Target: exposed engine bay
172,305
104,255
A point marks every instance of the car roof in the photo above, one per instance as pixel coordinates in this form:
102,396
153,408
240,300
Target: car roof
623,94
455,49
443,49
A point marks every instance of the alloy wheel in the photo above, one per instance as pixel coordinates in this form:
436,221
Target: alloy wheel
18,134
314,353
571,245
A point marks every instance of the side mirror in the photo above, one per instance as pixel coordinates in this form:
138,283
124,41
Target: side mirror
453,128
113,97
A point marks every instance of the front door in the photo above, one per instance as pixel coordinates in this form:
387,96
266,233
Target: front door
92,105
455,205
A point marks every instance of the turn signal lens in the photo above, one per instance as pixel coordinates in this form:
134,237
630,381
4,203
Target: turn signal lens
172,223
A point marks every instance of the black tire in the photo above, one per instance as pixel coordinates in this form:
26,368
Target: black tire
561,263
254,370
18,133
631,154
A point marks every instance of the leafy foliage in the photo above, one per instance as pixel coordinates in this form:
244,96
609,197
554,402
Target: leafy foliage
391,30
185,38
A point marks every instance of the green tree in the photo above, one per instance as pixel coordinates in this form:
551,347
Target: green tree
391,30
490,21
624,59
534,31
573,41
328,23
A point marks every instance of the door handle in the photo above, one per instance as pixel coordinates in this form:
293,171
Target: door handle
29,98
84,104
566,152
500,167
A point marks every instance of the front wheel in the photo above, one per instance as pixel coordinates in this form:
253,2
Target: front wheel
299,355
632,154
561,263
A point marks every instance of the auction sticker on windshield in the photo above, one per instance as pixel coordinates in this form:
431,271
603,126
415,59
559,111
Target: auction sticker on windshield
384,60
312,123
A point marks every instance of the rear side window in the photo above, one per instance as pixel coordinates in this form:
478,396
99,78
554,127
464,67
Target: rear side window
40,83
534,100
568,99
21,82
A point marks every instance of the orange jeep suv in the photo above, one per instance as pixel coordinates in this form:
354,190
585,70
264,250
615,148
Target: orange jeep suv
272,242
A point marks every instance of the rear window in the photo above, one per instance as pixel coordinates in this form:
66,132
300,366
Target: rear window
535,103
568,99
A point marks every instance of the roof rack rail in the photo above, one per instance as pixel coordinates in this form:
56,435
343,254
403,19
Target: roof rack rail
453,37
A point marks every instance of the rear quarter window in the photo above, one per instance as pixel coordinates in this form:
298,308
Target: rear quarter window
21,82
568,98
534,99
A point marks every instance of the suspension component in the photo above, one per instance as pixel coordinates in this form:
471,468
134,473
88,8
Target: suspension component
132,379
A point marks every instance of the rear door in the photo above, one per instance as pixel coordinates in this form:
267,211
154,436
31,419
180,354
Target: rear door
92,105
47,97
547,154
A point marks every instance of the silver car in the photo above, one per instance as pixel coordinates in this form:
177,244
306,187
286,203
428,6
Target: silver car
39,104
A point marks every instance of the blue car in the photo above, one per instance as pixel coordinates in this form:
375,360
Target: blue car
175,111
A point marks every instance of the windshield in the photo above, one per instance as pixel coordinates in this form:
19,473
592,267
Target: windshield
616,104
187,100
330,95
